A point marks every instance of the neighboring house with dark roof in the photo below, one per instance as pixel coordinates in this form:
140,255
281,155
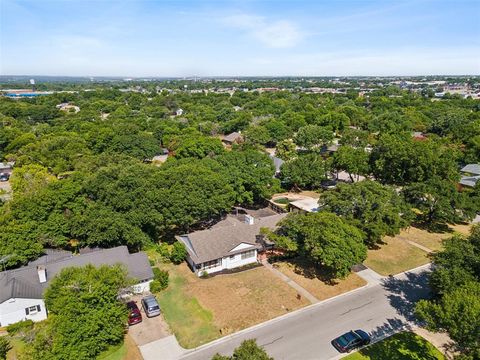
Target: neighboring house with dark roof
227,245
232,138
470,175
21,290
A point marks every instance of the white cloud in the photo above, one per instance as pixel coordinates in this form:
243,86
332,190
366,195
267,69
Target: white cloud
274,34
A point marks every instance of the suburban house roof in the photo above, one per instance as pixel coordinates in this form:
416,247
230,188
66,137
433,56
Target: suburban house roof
469,180
307,204
24,282
221,240
232,137
473,169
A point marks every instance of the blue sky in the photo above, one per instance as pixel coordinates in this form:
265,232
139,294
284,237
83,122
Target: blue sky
206,38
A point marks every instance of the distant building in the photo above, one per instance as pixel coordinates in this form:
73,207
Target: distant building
233,138
470,175
21,290
179,112
306,205
68,107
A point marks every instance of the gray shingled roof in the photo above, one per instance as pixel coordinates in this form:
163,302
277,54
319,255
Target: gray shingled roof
232,137
218,241
473,169
469,180
24,283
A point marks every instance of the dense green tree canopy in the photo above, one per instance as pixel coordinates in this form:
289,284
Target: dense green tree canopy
376,209
305,171
456,282
327,240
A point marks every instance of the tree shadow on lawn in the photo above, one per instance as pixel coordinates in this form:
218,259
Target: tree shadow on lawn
406,292
435,227
402,346
308,270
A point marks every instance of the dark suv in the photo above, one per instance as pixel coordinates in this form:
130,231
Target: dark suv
351,340
134,315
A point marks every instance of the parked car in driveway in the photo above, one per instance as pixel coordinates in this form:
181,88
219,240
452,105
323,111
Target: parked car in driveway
150,306
134,315
4,177
351,340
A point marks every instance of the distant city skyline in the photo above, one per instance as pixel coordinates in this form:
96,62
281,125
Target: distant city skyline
136,38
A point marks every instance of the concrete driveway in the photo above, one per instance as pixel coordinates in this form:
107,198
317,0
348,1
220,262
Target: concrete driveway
150,329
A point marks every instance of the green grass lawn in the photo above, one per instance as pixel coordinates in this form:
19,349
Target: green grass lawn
17,348
191,324
117,352
402,346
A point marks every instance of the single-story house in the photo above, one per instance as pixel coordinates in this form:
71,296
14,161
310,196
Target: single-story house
229,244
304,205
233,138
470,175
21,290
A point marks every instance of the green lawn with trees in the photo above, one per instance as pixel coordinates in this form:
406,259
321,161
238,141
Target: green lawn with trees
401,346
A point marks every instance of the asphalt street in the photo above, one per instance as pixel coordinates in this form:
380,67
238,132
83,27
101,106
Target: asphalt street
380,309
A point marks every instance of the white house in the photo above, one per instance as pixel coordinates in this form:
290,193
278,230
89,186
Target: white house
21,290
227,245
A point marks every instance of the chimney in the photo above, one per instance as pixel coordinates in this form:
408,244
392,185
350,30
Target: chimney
250,220
42,273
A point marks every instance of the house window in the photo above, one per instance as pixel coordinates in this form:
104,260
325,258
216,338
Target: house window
212,264
248,254
32,310
232,257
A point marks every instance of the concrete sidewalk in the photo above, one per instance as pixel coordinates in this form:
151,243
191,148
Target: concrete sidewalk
370,276
303,292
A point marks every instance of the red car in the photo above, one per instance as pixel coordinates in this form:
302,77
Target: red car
134,315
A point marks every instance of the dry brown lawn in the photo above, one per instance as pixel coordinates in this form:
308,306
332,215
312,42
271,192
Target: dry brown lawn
430,240
243,299
308,277
133,352
463,229
395,256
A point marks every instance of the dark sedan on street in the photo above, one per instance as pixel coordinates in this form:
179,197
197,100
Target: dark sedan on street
351,340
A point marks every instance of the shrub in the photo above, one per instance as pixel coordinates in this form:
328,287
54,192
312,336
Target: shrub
160,280
4,347
163,249
21,326
179,253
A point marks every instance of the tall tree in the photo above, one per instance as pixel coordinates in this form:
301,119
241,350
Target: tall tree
85,316
327,240
313,137
305,171
376,209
